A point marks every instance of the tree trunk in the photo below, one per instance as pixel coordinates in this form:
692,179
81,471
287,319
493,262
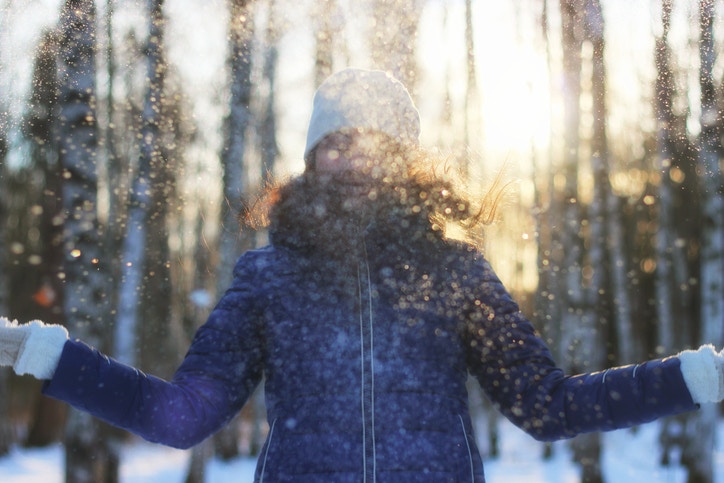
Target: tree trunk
324,41
571,296
236,127
547,312
600,219
394,37
699,460
548,204
581,335
611,287
47,301
268,128
665,234
473,134
136,238
85,296
6,433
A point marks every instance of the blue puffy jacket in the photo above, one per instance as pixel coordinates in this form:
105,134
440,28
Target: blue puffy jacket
366,384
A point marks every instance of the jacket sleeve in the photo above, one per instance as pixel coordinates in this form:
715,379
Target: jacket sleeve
220,370
516,370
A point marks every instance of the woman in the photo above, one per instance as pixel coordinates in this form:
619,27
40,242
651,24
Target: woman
364,319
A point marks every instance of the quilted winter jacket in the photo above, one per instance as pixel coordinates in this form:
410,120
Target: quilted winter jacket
369,387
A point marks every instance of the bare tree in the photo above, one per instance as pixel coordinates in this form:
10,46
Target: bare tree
571,295
6,434
268,127
597,286
47,301
136,238
325,37
236,131
547,309
665,236
473,123
236,128
581,335
88,457
394,37
678,223
712,238
610,287
548,204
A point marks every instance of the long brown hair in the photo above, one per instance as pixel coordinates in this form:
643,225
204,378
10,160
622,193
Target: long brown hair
430,186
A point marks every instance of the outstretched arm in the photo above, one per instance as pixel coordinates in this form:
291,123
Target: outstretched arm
219,372
517,371
216,377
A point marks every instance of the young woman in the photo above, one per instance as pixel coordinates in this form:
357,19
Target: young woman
364,320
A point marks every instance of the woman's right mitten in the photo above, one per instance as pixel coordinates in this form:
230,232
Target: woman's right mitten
32,348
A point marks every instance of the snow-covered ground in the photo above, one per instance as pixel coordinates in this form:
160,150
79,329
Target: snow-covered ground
628,456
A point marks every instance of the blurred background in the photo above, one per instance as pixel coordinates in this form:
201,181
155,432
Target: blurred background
130,131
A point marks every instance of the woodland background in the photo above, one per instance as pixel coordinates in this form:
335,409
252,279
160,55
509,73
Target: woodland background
130,130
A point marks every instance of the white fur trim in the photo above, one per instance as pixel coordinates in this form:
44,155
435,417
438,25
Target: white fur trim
41,351
702,373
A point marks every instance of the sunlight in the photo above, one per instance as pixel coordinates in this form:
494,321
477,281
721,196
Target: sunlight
511,118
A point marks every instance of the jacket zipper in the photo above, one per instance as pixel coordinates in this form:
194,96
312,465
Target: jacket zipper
369,456
266,453
467,444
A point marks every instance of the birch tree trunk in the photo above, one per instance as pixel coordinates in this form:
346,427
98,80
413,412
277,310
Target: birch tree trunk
665,234
580,334
712,242
394,37
38,122
236,129
571,296
678,229
548,307
608,293
598,283
6,433
548,310
136,238
324,39
88,456
611,284
268,128
115,172
473,122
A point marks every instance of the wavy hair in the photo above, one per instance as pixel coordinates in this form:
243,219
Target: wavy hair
427,185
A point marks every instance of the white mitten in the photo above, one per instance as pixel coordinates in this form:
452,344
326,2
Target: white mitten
703,372
32,348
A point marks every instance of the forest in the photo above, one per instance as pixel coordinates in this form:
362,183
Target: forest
131,131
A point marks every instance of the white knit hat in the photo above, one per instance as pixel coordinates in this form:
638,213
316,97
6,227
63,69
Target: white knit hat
368,99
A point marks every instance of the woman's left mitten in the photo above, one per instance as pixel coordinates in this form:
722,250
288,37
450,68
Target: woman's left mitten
703,371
